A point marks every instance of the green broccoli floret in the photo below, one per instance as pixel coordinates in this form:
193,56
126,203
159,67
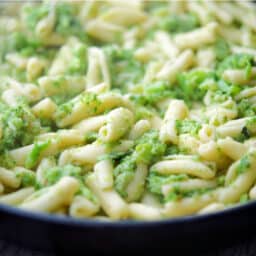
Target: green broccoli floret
188,126
124,68
35,154
246,108
149,148
244,198
86,192
54,174
237,61
179,23
248,130
66,23
78,64
243,165
19,126
154,93
155,181
157,91
228,89
222,49
192,85
33,14
178,194
28,178
124,174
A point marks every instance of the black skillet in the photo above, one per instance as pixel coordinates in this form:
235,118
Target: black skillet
69,236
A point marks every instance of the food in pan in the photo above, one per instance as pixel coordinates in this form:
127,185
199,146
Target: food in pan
128,109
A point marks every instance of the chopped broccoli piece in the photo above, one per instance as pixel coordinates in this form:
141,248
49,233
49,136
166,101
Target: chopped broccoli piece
222,49
124,68
85,191
179,23
114,156
244,135
246,108
155,181
124,173
54,174
34,155
34,14
172,150
237,61
221,180
19,126
188,126
157,91
243,165
244,198
191,84
78,64
66,23
28,178
153,93
6,160
228,89
149,148
91,137
177,194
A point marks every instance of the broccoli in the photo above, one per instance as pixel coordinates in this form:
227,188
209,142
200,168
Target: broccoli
228,89
66,23
155,181
28,178
78,64
222,49
244,198
54,174
192,85
89,99
33,14
248,130
86,192
188,126
153,93
124,68
148,149
35,154
19,126
243,165
246,108
179,23
178,194
124,174
237,61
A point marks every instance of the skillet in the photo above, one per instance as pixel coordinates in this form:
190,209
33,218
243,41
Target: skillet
68,236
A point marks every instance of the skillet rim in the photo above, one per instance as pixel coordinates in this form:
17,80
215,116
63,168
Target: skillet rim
90,222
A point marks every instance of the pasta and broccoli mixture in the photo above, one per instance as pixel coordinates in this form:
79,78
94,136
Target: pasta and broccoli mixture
127,109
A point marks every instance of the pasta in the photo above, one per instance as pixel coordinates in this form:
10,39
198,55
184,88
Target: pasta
137,109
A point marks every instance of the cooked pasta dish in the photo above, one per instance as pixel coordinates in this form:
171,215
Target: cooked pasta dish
127,109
